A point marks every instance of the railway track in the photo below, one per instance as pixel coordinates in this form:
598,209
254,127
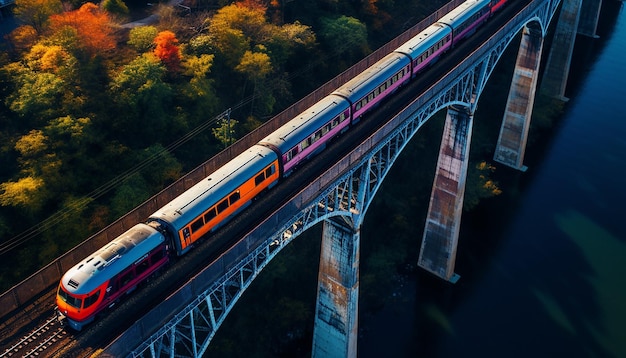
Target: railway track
42,341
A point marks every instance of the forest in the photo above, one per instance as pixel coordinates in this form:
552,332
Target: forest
97,116
93,112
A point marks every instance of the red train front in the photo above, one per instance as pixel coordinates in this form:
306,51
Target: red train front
102,278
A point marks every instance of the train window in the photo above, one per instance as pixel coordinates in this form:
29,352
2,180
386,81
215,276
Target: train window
318,134
234,197
127,277
142,267
209,215
92,299
223,205
196,225
370,96
269,171
327,127
336,121
259,179
157,256
70,300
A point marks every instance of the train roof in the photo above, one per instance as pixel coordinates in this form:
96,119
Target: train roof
424,40
200,197
111,259
462,12
306,123
368,80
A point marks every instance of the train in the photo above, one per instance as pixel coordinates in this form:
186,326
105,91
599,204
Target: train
104,277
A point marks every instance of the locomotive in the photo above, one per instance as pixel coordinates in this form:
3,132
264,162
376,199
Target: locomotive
101,279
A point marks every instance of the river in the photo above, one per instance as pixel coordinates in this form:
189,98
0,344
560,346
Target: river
542,266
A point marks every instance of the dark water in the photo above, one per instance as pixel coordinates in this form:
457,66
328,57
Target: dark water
544,273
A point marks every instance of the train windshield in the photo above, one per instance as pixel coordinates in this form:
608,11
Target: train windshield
70,300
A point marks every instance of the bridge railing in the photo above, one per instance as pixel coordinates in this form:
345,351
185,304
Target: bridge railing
48,277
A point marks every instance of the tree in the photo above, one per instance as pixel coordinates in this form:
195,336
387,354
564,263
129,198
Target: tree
27,193
93,27
37,12
345,35
167,50
225,131
199,92
142,98
117,7
255,65
479,185
37,94
130,194
142,38
24,37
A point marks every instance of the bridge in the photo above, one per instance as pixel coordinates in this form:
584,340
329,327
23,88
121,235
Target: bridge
184,324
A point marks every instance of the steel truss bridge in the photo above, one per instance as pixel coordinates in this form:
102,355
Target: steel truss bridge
339,199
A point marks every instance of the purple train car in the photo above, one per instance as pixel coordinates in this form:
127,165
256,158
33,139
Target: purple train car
308,133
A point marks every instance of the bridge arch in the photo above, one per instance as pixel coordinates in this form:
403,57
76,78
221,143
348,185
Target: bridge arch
343,193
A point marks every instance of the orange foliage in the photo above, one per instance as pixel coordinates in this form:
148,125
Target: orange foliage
167,50
258,5
92,25
24,37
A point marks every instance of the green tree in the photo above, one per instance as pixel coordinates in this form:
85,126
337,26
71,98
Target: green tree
198,94
225,131
347,36
117,7
164,170
127,196
36,13
141,38
37,95
142,98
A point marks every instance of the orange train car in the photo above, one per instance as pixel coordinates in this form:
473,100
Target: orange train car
210,203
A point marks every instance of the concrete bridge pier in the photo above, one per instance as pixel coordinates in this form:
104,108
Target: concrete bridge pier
516,122
589,16
336,315
555,76
439,243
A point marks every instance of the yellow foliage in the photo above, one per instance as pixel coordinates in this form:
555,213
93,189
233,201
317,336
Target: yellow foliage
25,192
32,143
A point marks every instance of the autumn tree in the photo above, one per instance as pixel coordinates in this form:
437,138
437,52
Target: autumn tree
23,37
37,12
480,185
167,50
92,26
27,193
